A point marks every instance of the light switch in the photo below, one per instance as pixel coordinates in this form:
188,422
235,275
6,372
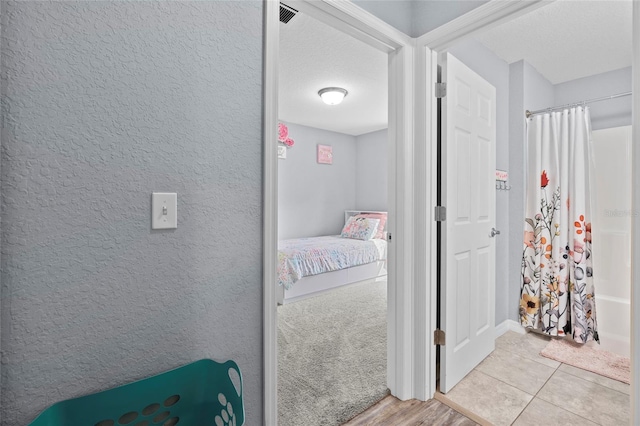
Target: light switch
164,210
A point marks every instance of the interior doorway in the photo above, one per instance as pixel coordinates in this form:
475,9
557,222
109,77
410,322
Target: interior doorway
332,215
541,98
406,375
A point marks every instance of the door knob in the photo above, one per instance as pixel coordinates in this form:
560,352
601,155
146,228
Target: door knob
494,232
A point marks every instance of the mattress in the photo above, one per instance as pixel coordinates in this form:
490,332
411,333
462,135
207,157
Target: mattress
303,257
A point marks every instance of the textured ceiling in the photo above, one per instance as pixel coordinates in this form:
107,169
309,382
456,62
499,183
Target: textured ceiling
567,39
314,55
564,40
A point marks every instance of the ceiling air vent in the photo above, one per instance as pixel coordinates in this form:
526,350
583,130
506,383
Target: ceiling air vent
286,13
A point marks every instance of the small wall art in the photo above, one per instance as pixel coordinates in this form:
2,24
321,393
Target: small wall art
325,154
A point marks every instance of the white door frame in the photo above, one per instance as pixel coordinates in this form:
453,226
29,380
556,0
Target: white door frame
492,14
408,357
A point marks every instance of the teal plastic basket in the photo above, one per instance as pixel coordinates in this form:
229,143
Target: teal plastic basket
201,393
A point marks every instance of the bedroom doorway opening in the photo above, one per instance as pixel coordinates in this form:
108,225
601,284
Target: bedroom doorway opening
332,204
410,192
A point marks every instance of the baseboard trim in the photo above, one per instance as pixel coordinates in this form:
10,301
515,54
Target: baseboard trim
460,409
509,325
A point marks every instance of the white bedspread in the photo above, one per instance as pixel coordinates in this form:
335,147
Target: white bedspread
302,257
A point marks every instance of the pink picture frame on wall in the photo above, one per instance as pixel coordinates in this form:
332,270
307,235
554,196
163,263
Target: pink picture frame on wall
325,154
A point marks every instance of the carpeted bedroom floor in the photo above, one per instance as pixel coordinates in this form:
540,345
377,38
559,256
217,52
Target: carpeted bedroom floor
332,355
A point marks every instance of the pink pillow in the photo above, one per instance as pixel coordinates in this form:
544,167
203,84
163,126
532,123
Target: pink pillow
360,228
382,217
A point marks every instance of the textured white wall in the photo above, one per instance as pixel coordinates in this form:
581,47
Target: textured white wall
516,180
538,91
312,197
372,173
606,114
104,103
528,90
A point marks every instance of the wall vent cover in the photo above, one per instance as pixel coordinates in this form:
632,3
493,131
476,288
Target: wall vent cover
286,13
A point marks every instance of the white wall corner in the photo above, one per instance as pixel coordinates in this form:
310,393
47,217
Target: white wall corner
516,327
635,250
509,325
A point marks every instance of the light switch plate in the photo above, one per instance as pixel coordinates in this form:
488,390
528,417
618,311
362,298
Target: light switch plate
164,210
282,152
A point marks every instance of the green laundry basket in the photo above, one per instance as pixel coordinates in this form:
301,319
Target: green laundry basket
197,394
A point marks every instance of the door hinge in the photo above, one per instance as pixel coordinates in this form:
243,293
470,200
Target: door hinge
389,236
440,213
438,337
441,90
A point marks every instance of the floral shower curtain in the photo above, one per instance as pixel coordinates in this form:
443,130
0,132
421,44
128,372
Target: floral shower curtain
557,293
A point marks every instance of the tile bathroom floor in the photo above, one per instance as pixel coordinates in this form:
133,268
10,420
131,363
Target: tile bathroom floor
515,385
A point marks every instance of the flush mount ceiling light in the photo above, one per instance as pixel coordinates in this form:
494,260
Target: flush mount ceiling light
332,95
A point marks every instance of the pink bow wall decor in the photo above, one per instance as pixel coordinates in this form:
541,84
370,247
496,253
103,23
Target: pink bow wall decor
283,135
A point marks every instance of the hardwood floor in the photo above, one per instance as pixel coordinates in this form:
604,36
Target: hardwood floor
393,412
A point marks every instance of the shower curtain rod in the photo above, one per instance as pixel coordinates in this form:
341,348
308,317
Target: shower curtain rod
604,98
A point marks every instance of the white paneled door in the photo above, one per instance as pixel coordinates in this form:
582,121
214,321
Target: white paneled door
468,234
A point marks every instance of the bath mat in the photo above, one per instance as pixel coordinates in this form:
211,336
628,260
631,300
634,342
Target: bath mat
588,358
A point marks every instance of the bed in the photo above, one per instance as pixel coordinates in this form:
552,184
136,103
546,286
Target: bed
310,266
